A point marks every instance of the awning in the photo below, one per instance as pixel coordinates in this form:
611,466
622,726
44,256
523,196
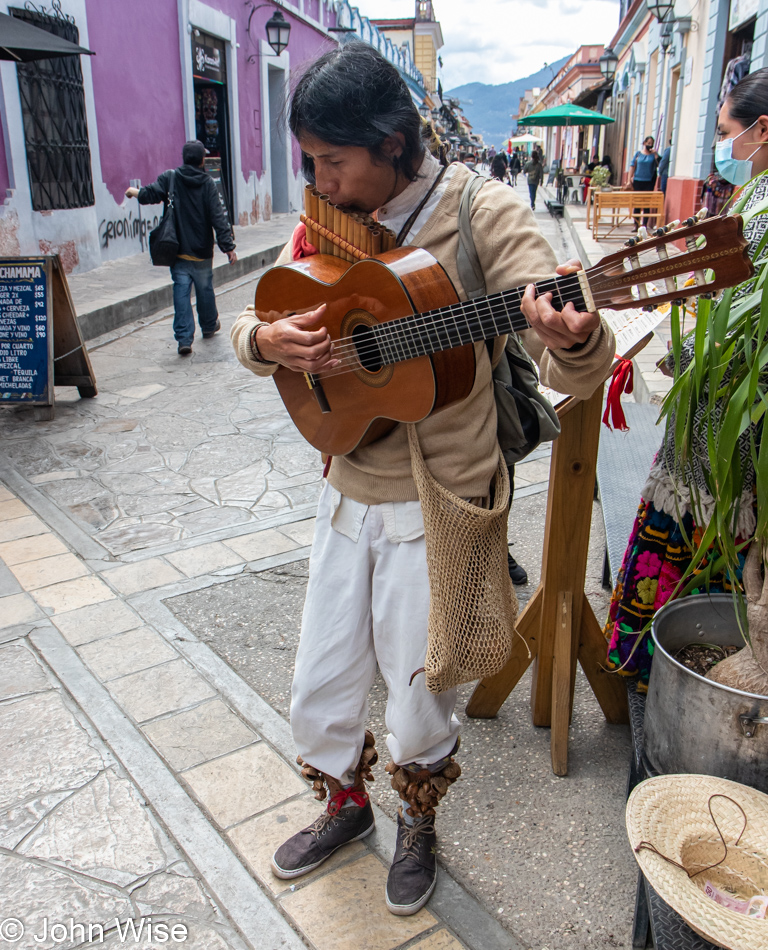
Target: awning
20,42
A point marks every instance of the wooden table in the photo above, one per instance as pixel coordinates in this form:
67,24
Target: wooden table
625,208
558,625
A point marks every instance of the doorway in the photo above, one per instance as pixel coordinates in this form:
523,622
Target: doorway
278,139
212,128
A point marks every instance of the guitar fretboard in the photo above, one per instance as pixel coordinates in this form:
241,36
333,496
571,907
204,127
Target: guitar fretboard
467,322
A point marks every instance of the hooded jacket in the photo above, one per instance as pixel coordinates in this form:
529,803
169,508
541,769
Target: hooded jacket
199,210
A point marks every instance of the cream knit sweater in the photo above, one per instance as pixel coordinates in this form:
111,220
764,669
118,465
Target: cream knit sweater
459,442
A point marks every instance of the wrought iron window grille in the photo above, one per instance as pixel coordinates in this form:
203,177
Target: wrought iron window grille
55,123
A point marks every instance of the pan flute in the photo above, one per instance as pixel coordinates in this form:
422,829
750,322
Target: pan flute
349,235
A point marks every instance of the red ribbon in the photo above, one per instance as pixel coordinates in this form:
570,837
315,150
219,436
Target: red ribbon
338,800
622,382
301,246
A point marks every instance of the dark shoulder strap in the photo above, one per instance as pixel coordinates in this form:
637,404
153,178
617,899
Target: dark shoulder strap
467,260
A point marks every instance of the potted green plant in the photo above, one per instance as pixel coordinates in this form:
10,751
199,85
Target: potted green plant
718,723
600,177
729,373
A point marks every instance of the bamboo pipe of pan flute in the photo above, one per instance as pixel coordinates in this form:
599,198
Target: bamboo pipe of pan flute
346,230
310,211
343,229
326,246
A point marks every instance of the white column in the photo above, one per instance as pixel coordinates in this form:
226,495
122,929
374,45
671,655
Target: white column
716,27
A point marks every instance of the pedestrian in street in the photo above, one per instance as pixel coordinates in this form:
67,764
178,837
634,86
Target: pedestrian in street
515,167
368,594
664,167
199,212
644,167
534,173
498,168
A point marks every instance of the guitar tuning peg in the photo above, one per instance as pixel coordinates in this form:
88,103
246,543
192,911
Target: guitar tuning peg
648,308
631,242
673,225
702,213
659,232
689,222
678,303
642,233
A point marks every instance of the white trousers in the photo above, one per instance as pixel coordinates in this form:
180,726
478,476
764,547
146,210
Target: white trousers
367,603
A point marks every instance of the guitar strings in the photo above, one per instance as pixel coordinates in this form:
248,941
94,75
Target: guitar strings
347,351
569,281
350,355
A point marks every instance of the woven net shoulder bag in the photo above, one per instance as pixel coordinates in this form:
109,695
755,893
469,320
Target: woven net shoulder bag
473,607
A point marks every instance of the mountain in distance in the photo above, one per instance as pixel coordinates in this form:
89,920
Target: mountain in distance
488,108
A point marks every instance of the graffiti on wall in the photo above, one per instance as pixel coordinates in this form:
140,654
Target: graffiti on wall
128,228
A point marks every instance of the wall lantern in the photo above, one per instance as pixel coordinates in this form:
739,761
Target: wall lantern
423,111
665,37
608,63
661,9
278,32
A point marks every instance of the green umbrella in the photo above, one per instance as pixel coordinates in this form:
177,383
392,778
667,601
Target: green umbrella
568,114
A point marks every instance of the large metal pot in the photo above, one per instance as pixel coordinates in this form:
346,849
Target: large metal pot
691,723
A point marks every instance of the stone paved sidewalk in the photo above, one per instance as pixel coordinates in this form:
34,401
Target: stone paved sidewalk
145,775
181,479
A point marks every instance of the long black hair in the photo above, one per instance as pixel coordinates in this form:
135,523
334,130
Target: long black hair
748,99
353,96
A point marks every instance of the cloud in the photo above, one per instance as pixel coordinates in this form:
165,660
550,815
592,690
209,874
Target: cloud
496,41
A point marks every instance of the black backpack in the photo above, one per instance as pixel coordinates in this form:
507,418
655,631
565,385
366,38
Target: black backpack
525,417
163,240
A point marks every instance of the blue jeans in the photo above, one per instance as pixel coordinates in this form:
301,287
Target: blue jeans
185,274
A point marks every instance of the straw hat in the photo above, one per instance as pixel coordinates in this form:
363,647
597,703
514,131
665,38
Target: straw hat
672,813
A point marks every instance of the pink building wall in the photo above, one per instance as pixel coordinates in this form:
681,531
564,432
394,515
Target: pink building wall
137,89
5,181
305,45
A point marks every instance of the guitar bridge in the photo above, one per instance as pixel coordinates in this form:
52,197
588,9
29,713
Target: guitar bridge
317,388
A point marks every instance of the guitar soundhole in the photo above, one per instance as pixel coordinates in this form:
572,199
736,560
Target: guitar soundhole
367,348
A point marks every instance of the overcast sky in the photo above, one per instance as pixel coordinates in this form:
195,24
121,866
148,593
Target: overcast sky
495,41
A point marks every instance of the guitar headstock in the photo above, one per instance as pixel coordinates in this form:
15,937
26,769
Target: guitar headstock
652,269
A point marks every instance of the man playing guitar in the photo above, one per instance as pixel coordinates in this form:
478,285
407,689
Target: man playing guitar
368,594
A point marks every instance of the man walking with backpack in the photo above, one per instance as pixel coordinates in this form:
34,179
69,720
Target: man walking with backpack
198,212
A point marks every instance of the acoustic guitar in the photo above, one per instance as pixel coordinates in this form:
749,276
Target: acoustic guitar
405,339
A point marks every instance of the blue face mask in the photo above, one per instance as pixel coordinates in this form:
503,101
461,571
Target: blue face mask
737,171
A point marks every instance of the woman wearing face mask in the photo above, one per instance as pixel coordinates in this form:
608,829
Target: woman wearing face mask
644,167
657,554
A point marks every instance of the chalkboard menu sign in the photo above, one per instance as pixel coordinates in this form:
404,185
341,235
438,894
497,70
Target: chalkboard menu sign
41,345
26,341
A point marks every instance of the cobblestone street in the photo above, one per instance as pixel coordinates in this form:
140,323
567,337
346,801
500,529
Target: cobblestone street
153,549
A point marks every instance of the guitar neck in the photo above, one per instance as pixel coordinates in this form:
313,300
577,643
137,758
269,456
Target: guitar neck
469,321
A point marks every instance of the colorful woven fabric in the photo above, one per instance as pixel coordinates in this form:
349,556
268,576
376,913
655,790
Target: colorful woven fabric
654,561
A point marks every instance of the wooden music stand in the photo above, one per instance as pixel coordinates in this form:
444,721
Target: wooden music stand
558,624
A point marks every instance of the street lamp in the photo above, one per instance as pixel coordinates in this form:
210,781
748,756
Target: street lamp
661,8
278,32
423,111
608,63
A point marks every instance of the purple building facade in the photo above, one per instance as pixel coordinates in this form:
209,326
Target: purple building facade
164,71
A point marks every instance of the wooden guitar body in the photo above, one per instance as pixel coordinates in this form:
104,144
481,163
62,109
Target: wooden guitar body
370,400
